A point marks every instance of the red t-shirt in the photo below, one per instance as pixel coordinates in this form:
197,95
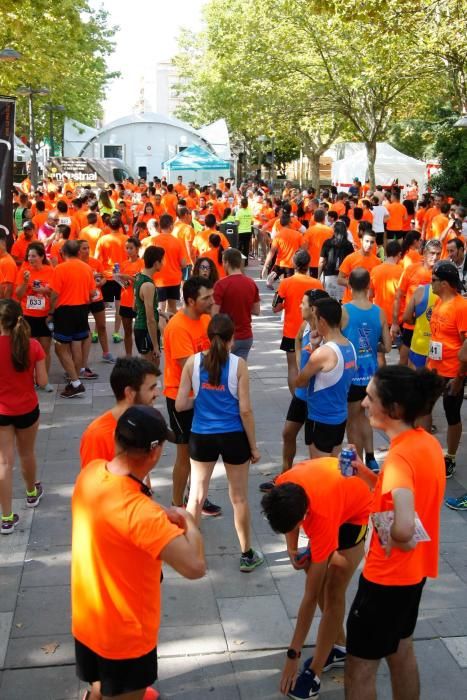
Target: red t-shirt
235,295
17,393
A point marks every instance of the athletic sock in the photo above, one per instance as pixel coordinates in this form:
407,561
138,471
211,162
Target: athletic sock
7,518
451,457
249,554
341,648
75,383
32,493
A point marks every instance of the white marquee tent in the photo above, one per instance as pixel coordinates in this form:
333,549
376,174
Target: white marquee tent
390,164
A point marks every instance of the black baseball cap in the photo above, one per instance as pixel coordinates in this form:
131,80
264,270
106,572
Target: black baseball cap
446,271
28,224
141,428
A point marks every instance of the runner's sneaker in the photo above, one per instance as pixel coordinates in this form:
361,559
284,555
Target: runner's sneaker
9,524
336,659
270,279
33,499
306,686
70,391
457,503
48,388
108,357
373,465
450,465
87,373
247,564
94,337
267,486
211,509
117,338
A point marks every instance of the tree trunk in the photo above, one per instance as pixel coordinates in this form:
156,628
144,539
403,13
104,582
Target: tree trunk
371,153
314,164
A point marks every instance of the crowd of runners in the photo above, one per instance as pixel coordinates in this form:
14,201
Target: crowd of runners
356,275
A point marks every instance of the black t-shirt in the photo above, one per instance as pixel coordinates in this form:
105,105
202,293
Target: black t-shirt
334,254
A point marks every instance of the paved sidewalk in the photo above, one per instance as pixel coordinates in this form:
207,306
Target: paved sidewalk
222,637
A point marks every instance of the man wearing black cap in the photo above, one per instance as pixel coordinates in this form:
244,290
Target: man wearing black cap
120,539
448,333
20,246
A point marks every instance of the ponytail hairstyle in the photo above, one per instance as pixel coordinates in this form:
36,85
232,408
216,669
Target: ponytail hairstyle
220,332
407,394
215,241
12,321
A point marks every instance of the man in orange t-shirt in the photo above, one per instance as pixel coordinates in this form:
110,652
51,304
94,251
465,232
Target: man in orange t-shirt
20,246
133,381
111,251
179,187
314,238
383,615
184,231
73,289
169,201
184,335
332,510
284,246
430,214
91,233
384,279
361,258
397,212
168,280
411,278
201,240
288,299
120,538
448,334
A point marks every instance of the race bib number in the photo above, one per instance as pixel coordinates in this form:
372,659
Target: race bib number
436,350
35,303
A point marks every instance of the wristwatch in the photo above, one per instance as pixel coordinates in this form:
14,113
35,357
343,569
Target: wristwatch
292,654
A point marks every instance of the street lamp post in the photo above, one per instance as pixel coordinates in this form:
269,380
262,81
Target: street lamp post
51,109
29,92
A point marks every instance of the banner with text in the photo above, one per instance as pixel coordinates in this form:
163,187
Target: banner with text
7,149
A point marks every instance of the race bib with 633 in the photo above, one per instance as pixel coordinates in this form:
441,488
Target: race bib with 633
34,303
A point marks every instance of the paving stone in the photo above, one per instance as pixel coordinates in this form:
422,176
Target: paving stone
271,627
199,639
44,683
42,611
188,600
43,650
458,648
229,582
198,678
10,577
6,619
48,566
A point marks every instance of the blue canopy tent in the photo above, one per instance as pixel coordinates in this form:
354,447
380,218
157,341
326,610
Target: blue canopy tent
196,163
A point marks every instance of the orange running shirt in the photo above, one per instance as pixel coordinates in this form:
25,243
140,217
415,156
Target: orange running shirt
333,500
110,249
412,277
186,234
96,267
397,213
183,337
354,260
213,254
91,234
20,247
34,304
201,241
429,216
170,274
415,461
97,441
118,536
287,242
169,202
384,280
130,268
291,290
448,322
8,269
314,238
74,283
410,258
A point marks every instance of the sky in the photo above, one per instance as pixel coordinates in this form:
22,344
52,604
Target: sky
147,35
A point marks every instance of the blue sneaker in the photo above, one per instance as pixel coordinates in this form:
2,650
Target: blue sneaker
307,686
336,659
373,465
457,503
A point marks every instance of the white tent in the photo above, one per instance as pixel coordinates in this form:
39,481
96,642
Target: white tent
390,164
217,134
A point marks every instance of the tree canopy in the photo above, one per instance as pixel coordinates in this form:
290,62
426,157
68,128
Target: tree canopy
64,46
323,71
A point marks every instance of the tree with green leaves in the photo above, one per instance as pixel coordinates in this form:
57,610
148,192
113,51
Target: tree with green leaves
64,46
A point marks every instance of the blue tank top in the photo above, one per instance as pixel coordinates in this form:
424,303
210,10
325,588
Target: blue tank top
300,392
364,332
327,391
216,408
